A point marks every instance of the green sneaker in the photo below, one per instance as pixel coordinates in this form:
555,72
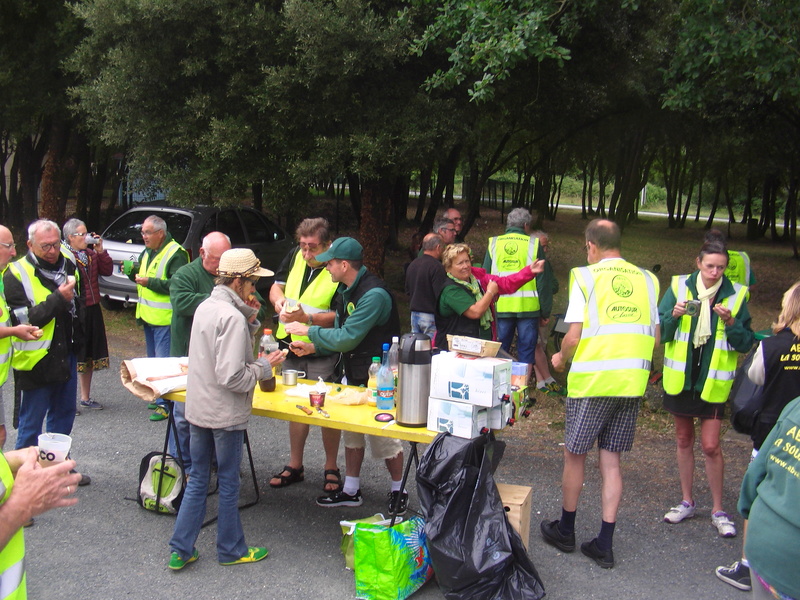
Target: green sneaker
176,563
159,414
152,406
254,554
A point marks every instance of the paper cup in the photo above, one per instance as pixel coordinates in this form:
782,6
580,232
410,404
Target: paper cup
316,399
53,448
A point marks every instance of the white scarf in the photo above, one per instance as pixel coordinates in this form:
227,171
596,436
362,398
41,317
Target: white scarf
703,330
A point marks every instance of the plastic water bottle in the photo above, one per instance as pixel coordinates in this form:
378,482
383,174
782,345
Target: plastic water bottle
372,384
394,358
267,345
385,383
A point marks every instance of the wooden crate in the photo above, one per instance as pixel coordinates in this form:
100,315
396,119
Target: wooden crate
517,504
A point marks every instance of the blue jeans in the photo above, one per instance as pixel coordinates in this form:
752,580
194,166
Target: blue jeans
55,400
422,322
527,335
179,415
230,536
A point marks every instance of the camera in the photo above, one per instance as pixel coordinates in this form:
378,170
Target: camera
692,307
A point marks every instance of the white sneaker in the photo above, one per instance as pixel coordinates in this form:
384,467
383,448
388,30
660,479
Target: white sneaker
676,514
724,525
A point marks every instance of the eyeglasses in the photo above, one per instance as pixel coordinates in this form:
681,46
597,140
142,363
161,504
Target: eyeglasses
48,247
149,233
6,246
450,229
308,247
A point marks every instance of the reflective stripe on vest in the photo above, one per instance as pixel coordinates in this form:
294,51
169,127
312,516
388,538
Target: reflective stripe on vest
5,343
153,308
615,292
12,557
318,294
516,251
27,354
722,365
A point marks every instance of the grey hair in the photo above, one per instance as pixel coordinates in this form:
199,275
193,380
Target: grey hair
539,234
71,228
42,225
442,223
207,240
519,217
158,223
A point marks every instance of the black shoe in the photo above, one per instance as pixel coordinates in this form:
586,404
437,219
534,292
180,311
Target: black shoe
401,507
340,499
85,479
554,537
603,558
736,575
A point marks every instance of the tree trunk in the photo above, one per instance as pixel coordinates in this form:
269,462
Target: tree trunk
376,206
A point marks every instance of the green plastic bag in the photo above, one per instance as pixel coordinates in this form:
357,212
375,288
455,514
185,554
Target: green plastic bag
391,563
348,529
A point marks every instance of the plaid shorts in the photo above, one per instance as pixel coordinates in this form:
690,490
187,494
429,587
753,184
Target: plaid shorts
609,420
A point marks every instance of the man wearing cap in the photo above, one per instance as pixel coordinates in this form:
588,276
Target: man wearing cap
219,398
366,317
158,263
302,293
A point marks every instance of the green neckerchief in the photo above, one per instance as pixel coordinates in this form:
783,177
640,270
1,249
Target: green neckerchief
475,289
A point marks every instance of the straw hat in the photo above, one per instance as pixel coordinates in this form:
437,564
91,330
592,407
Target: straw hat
241,262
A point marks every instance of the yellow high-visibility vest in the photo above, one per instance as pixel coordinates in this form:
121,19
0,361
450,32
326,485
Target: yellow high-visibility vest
154,308
27,354
318,294
511,252
722,368
5,343
615,351
13,583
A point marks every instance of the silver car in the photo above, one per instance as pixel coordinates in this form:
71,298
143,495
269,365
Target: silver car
247,228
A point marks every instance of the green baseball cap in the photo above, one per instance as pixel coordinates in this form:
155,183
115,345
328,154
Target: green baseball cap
343,248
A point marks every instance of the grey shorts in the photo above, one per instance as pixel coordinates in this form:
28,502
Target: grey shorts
609,420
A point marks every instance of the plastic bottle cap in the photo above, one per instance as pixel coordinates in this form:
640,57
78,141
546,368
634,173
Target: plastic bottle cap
268,332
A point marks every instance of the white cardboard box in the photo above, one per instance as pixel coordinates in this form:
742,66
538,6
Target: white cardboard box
460,419
500,414
479,381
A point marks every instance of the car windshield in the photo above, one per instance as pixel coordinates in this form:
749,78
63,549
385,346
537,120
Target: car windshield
128,228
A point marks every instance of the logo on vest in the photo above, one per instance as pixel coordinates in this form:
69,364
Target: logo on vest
623,312
350,308
622,286
510,248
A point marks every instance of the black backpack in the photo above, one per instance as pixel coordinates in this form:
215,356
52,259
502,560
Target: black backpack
747,398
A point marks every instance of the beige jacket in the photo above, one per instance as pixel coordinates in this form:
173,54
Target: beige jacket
222,370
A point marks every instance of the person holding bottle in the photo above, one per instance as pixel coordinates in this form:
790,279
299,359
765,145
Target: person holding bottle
366,317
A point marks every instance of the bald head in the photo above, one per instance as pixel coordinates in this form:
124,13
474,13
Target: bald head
7,249
433,245
214,244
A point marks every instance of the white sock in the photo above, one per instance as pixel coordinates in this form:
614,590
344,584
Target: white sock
549,380
351,485
396,485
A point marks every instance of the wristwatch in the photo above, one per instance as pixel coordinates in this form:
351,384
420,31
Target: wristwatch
310,320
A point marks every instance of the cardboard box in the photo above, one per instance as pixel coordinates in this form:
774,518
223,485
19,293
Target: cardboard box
472,346
517,504
460,419
478,381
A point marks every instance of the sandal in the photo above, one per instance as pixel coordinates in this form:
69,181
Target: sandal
337,482
294,476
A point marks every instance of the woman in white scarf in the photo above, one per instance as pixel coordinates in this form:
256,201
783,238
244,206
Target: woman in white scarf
690,339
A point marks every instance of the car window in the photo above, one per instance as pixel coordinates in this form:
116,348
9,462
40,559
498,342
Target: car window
259,229
227,221
128,228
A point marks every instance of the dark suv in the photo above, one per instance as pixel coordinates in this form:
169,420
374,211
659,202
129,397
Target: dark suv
247,228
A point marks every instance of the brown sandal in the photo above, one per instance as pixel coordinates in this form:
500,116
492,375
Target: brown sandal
294,476
337,482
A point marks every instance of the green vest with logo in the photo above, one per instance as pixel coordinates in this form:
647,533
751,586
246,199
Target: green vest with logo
722,368
511,252
13,584
615,350
154,308
27,354
318,294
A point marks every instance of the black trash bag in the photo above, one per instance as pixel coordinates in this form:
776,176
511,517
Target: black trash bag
475,552
747,398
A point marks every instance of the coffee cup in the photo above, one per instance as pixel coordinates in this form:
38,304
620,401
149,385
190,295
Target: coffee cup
53,448
290,376
317,399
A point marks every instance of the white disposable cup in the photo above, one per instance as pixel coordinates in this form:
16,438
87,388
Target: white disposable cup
53,448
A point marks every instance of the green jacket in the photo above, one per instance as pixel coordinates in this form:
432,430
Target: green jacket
768,498
739,335
544,285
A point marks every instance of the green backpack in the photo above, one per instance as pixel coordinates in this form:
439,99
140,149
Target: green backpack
161,483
